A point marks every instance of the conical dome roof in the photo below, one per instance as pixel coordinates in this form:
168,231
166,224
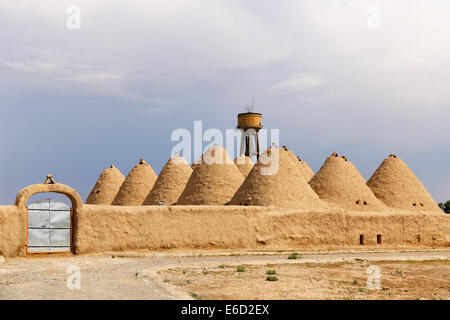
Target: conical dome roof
196,162
170,183
397,186
304,168
213,181
290,153
136,186
276,181
338,181
244,164
106,187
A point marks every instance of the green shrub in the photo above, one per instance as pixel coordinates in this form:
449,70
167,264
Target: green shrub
398,271
272,278
271,272
196,296
240,269
294,256
445,207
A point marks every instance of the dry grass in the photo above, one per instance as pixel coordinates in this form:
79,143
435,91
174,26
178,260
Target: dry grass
346,280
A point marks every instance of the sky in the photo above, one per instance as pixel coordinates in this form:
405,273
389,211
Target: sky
362,78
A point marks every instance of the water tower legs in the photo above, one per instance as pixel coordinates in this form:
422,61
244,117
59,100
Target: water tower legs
248,140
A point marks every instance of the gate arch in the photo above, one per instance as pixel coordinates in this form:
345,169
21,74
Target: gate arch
24,194
51,186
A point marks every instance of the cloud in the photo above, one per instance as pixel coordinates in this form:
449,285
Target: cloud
32,66
342,85
94,77
156,111
60,71
297,84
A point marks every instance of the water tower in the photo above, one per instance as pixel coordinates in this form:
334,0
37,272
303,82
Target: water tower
250,122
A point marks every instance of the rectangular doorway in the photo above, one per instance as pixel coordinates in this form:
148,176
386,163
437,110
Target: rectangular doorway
49,227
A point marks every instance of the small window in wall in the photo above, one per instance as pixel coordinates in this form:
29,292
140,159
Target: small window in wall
379,238
361,239
418,238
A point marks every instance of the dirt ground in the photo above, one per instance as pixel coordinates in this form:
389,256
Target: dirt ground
213,275
342,280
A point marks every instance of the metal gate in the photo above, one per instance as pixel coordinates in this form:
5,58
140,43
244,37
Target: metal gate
49,227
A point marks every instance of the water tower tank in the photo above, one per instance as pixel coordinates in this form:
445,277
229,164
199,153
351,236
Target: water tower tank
249,120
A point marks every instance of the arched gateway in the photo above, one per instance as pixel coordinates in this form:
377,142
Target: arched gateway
49,222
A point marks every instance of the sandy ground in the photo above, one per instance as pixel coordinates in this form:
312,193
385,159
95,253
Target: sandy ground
214,275
343,280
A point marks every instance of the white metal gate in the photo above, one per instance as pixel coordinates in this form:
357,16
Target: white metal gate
49,227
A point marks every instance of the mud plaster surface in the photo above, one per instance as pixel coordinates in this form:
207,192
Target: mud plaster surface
106,187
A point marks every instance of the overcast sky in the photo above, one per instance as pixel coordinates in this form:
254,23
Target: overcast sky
325,73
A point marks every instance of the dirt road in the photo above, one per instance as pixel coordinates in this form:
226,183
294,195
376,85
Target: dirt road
160,275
